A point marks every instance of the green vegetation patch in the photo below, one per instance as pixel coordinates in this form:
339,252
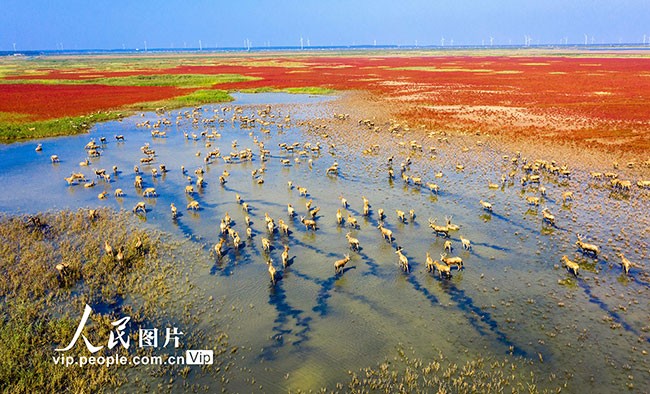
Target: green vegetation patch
15,128
195,98
41,305
176,80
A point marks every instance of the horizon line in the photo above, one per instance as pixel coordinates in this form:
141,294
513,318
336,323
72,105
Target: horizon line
636,45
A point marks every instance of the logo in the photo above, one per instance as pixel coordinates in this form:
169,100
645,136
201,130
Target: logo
199,357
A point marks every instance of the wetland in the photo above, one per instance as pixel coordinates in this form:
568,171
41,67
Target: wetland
511,318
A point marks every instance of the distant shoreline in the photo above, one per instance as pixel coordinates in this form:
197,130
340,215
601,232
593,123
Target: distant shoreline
543,48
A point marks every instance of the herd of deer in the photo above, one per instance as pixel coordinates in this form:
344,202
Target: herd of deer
309,220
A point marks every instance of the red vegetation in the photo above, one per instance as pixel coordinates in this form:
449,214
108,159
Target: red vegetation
55,101
590,99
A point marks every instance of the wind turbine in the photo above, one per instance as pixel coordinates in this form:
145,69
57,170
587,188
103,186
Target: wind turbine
491,41
145,45
301,46
442,42
586,39
200,46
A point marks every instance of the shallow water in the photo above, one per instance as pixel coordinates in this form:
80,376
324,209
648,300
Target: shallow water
312,326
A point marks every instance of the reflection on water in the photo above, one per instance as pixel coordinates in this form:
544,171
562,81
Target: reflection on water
312,326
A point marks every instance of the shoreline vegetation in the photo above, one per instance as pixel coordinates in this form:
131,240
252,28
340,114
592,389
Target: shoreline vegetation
52,265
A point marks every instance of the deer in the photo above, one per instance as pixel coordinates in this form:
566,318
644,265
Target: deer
334,169
224,227
450,226
283,226
194,205
139,246
548,216
174,210
401,215
571,266
140,207
290,210
70,180
149,192
309,223
448,246
55,159
272,270
285,256
567,196
452,261
433,187
108,249
314,212
344,202
340,264
403,260
119,193
218,248
486,205
532,200
385,233
351,221
302,191
365,201
467,245
102,195
63,269
542,191
380,214
236,241
266,244
587,248
438,230
354,242
339,216
625,264
432,266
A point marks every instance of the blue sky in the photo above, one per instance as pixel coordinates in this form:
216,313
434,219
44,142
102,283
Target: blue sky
102,24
